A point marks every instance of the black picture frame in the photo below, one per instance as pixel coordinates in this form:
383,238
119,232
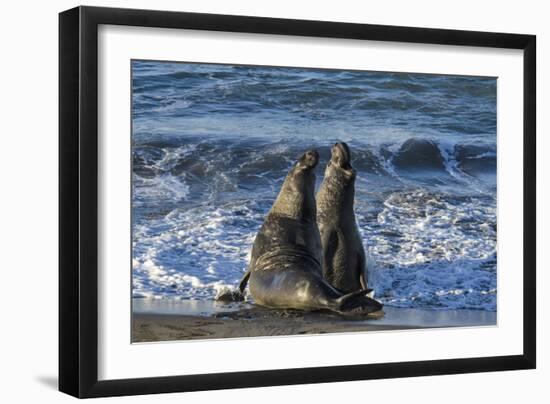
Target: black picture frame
78,201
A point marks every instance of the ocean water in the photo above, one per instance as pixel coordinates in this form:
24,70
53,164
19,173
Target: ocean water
213,143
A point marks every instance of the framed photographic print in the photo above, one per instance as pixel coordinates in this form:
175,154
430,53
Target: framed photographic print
251,201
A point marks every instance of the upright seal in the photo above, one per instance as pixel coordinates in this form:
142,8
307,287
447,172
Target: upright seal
285,266
344,263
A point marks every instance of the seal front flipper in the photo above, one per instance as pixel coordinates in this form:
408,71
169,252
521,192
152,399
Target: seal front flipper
244,280
362,269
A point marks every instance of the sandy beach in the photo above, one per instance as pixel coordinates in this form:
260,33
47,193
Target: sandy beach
167,327
164,320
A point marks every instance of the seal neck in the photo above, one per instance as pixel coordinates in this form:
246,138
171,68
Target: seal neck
296,202
336,196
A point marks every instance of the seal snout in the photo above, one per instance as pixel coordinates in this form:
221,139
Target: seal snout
341,155
310,158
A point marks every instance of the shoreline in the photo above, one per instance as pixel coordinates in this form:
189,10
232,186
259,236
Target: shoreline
165,320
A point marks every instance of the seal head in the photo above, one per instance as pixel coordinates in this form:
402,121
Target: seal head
297,196
341,158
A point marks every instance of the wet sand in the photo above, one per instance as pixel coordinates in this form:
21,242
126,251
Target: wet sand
170,321
170,327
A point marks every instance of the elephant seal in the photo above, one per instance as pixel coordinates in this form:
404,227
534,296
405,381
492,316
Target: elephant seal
285,266
344,263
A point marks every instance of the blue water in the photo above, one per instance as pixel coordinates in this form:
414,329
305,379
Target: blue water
213,143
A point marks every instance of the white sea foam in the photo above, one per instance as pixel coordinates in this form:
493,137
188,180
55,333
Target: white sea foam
205,249
425,250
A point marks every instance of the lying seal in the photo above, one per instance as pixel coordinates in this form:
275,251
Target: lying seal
344,263
285,266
